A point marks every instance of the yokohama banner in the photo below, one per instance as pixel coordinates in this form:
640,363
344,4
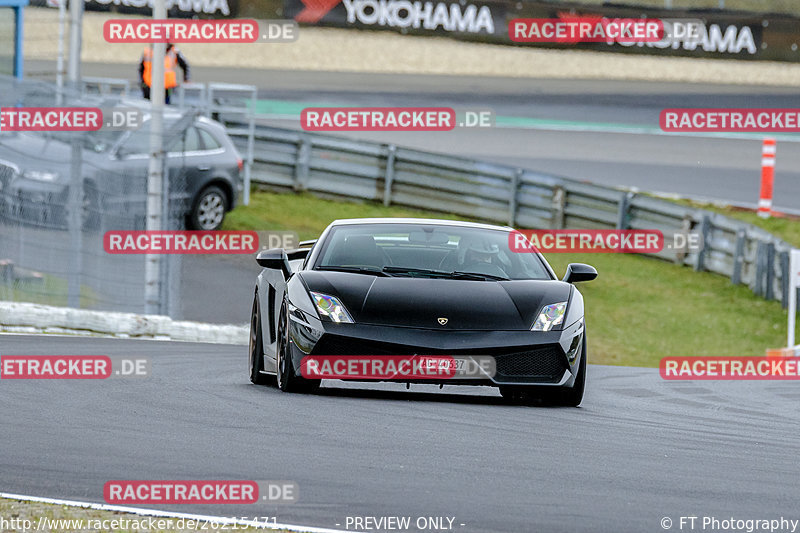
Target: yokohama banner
715,34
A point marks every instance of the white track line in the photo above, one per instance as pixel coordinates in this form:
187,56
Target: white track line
168,514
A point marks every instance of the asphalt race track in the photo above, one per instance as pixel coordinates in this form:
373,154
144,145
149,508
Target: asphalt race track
640,448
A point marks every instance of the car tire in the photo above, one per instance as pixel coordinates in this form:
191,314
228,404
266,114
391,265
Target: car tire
285,375
574,396
208,209
571,397
256,346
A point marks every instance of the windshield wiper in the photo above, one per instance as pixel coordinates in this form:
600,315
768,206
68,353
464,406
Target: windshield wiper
477,276
444,273
356,270
410,270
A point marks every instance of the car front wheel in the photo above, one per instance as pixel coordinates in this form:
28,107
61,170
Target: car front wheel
256,346
287,378
571,397
574,396
208,209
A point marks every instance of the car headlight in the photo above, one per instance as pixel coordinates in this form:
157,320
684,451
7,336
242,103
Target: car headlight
40,175
331,307
550,315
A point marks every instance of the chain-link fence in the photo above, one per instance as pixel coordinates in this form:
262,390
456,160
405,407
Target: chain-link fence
61,191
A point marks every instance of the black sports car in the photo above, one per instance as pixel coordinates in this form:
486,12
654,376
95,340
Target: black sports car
419,288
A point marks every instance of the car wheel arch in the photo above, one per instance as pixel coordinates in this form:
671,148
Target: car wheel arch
223,184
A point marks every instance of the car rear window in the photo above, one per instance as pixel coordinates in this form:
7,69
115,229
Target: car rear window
209,142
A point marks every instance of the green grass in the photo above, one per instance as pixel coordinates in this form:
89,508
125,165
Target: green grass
639,310
307,214
786,228
51,290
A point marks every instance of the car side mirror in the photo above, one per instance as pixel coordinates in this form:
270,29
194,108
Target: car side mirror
276,259
579,272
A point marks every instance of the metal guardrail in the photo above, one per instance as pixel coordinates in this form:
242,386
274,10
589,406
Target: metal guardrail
522,198
391,174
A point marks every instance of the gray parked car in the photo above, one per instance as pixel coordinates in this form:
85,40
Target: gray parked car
203,164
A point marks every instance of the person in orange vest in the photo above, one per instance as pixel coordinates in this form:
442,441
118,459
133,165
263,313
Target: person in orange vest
173,60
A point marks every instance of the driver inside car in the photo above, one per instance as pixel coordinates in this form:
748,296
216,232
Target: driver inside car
481,256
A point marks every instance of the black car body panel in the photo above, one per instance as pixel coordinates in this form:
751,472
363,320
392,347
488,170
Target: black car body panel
418,303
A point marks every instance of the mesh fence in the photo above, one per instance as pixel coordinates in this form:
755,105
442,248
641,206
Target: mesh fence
60,192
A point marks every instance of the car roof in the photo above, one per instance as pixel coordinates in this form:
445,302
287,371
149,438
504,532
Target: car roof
420,221
170,112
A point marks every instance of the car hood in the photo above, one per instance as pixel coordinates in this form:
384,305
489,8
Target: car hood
421,302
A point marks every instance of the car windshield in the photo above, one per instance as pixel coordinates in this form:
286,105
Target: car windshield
102,140
427,250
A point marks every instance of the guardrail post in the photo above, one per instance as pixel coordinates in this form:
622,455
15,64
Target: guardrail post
686,227
512,196
622,210
559,201
705,230
389,178
301,169
769,293
758,278
738,256
785,278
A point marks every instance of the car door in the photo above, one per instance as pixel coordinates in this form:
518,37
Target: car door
126,204
188,169
190,166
